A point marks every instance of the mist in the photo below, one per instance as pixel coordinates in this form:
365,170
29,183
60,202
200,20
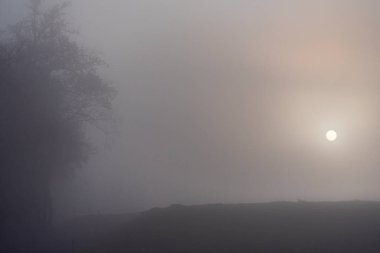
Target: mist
228,102
189,126
222,102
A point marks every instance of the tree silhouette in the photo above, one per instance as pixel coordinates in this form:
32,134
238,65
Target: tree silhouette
50,89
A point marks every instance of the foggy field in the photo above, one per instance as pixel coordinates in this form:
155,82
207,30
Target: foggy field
273,227
111,111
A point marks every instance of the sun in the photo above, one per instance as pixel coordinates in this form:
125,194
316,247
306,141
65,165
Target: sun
331,135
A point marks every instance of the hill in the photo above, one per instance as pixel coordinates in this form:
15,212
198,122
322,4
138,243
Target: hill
269,227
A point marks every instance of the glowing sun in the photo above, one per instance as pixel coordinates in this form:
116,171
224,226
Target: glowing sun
331,135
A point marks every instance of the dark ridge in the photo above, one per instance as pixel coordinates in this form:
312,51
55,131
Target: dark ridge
352,226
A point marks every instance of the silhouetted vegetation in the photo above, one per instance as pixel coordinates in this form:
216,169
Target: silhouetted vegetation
49,90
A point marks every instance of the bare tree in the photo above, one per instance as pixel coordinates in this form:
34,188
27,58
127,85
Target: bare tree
49,90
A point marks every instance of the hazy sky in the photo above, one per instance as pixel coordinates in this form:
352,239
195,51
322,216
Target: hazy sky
229,101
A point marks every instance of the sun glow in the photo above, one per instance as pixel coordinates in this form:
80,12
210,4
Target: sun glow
331,135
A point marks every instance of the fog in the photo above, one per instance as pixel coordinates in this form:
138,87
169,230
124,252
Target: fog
227,102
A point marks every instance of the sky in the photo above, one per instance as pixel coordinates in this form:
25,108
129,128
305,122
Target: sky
229,101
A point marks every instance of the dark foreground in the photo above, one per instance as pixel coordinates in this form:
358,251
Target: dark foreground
273,227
